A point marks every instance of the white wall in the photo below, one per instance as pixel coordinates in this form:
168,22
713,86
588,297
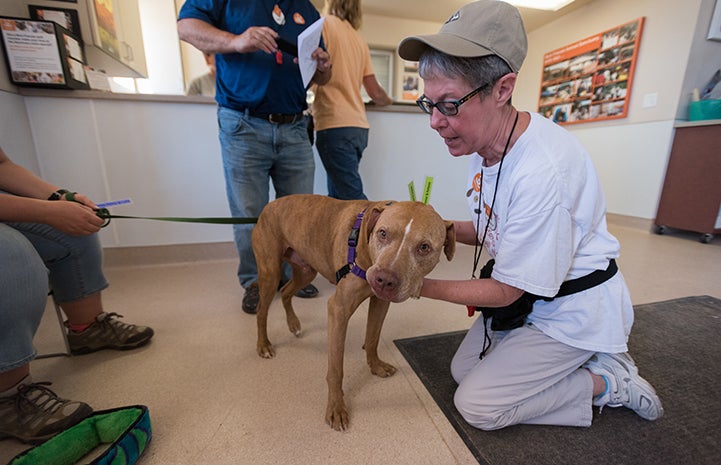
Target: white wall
15,134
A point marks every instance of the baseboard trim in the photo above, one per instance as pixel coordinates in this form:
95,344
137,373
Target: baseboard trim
168,254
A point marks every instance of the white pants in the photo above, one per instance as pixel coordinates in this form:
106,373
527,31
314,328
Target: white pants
525,377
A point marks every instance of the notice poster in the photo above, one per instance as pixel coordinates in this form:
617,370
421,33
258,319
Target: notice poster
42,54
590,80
32,51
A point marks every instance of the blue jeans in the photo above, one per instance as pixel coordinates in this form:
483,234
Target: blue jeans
254,152
23,293
340,150
75,262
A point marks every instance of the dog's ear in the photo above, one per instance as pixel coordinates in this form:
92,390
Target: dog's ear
449,248
370,218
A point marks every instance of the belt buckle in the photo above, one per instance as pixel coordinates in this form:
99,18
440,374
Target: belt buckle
276,118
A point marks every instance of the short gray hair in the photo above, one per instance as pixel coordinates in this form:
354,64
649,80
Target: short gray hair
476,71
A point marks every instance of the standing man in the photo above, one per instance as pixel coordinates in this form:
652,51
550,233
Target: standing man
261,100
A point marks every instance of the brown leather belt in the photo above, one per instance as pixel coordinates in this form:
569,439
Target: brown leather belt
277,118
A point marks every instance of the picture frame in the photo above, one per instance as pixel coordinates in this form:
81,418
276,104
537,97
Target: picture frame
65,17
590,79
42,54
714,30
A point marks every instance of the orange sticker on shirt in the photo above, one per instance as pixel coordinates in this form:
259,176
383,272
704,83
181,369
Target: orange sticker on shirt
298,18
278,15
477,182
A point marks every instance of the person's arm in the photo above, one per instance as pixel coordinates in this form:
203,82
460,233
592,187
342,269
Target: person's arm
209,39
375,91
475,292
20,181
465,232
29,203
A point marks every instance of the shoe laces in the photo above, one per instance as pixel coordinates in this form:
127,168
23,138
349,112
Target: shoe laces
37,397
109,321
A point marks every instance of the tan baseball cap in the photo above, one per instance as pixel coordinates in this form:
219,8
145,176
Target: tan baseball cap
485,27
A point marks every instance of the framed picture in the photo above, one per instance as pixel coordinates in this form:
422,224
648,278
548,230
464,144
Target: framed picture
42,54
65,17
590,80
714,30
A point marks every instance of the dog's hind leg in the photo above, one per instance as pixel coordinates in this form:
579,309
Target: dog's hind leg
302,275
377,311
269,272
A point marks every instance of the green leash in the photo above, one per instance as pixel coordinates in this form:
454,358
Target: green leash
105,214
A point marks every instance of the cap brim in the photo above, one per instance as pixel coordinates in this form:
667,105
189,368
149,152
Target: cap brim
411,48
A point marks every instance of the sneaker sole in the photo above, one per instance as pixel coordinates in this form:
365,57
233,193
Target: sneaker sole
89,350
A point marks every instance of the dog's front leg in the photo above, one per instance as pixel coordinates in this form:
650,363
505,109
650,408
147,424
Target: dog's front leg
376,315
340,308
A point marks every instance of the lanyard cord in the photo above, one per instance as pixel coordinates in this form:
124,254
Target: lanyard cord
477,251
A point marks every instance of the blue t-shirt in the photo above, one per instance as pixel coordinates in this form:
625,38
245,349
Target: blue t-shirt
256,81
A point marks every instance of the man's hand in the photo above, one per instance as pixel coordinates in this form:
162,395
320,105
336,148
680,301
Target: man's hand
254,39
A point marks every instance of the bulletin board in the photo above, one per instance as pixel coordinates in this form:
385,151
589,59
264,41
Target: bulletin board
590,80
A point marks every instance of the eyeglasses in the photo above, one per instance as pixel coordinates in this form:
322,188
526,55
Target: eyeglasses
447,107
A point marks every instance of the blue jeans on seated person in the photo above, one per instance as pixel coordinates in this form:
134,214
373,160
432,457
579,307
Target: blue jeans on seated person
23,293
74,262
255,152
340,150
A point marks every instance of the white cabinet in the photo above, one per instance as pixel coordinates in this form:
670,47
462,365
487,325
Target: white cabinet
111,33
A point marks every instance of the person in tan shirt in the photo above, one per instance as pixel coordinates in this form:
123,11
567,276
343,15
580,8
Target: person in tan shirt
338,109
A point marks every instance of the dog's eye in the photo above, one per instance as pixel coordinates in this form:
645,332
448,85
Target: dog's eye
424,249
382,234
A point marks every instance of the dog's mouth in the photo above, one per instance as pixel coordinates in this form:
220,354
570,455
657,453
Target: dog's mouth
387,286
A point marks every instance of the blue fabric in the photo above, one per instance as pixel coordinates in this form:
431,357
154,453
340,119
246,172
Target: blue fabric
255,151
23,294
254,80
75,262
340,150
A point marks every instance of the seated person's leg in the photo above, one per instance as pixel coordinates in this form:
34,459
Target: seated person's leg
29,412
77,279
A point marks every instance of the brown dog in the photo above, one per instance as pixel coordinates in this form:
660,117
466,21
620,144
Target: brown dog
397,244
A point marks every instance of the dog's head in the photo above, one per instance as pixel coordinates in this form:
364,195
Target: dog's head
405,241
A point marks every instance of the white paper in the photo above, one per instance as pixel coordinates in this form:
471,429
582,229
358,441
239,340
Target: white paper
308,41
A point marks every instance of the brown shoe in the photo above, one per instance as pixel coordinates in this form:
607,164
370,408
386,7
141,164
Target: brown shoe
35,414
108,333
251,298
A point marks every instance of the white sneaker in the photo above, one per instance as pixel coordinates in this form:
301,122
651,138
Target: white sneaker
625,387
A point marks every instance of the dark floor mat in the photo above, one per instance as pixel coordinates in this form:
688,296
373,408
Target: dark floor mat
677,346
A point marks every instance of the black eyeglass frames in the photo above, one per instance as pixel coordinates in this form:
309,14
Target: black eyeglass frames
447,107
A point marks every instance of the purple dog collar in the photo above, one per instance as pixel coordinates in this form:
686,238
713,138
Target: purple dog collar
351,266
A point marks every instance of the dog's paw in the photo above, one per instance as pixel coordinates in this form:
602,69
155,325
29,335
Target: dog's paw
337,417
382,369
294,326
266,350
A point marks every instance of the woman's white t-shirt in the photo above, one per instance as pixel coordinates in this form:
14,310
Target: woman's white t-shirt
548,225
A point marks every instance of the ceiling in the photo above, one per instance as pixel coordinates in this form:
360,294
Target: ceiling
440,10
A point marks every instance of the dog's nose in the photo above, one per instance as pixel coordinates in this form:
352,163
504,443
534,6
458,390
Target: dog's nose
386,280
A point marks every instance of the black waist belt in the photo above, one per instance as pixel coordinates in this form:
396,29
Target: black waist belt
276,118
586,282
